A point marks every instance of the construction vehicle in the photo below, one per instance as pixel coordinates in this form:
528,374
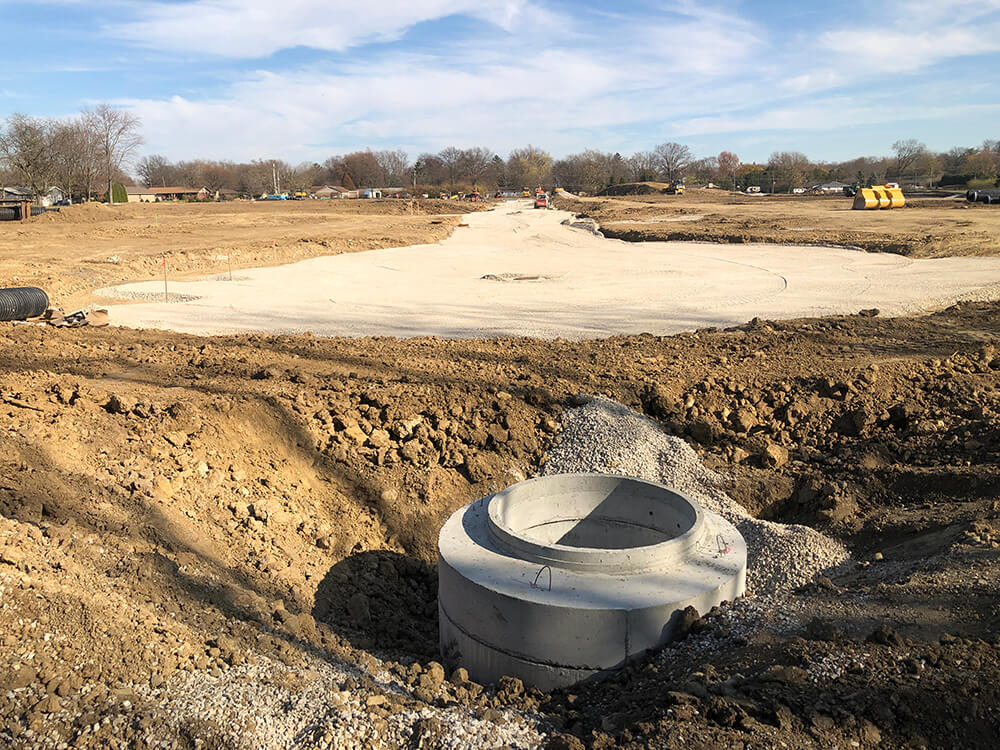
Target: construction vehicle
526,193
674,188
878,197
541,201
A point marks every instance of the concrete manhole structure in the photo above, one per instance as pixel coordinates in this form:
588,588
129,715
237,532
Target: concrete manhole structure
567,577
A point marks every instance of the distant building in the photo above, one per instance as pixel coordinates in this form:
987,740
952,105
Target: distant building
829,187
16,194
53,197
50,197
139,194
327,192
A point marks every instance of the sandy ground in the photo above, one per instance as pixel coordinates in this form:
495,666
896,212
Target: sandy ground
517,271
81,248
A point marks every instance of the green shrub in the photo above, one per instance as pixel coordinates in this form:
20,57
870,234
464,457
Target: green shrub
118,193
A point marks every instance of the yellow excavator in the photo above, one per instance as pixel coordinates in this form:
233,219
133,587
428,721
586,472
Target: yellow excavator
879,196
674,188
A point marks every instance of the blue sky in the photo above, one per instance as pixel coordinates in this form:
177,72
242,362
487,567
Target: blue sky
305,79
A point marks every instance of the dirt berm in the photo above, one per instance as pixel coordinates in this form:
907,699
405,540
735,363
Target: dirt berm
177,511
926,228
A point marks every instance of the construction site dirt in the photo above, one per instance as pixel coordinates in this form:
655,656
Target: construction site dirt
230,541
927,227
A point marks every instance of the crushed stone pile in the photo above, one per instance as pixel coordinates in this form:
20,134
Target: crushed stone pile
268,704
606,437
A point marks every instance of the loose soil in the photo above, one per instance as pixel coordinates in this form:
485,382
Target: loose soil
178,509
927,227
84,247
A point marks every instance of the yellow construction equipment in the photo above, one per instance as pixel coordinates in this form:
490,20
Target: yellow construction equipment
879,196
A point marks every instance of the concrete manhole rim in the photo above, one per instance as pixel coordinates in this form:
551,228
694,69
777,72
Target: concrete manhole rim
507,605
628,559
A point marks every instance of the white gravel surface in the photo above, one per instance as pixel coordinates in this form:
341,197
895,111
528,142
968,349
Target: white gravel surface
608,438
573,284
267,705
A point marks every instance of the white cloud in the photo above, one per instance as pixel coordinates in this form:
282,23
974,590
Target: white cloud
258,28
905,51
532,74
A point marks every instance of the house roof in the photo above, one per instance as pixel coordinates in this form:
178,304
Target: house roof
334,188
137,190
174,189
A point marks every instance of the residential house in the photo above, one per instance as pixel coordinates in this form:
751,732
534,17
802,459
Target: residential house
54,196
50,197
179,193
139,194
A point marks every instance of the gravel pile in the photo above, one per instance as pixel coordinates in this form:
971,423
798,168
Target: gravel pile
266,704
607,438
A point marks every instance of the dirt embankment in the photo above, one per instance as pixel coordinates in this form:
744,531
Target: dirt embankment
174,507
89,246
925,228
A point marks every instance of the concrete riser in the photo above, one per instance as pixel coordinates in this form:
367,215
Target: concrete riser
506,636
566,578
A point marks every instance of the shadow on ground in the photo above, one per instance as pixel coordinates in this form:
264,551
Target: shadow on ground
383,602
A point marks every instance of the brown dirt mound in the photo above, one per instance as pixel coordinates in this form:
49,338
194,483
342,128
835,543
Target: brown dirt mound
174,505
926,227
635,188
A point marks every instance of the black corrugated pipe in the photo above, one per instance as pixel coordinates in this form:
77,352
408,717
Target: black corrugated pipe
22,302
983,196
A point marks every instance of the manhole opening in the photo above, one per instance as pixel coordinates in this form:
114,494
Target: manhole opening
601,513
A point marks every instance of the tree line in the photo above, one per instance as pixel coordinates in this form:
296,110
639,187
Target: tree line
85,154
81,155
450,169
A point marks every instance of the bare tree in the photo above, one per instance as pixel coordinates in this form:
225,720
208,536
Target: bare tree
451,160
497,173
25,145
155,171
642,166
431,170
474,163
907,153
396,166
364,169
118,136
728,164
788,169
590,171
672,158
